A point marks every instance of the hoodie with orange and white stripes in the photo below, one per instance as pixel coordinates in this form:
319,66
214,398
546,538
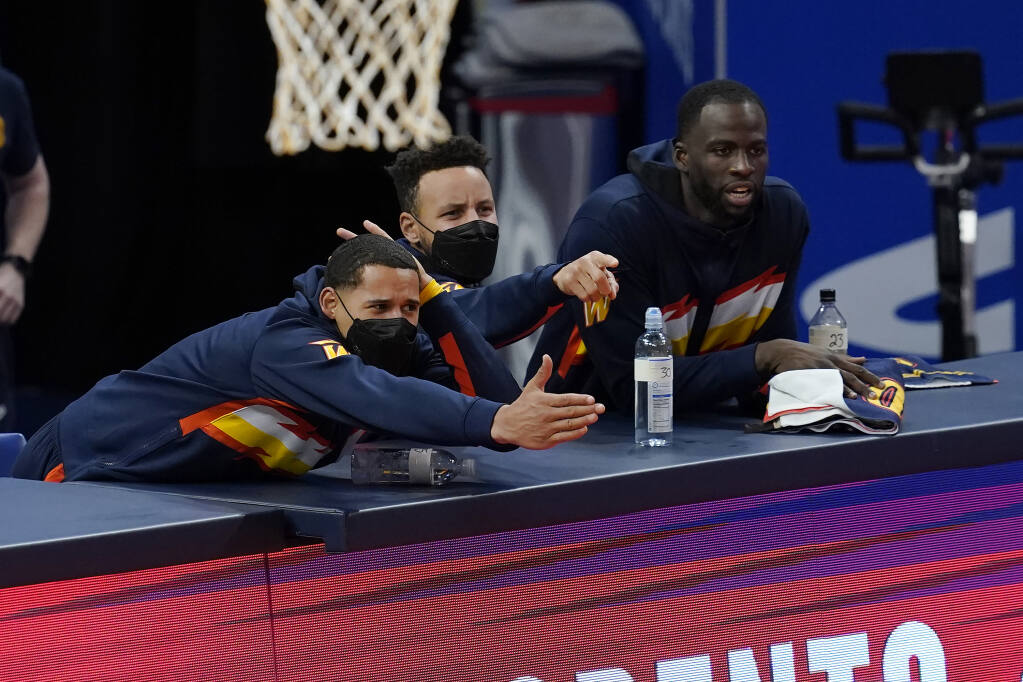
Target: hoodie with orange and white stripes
720,292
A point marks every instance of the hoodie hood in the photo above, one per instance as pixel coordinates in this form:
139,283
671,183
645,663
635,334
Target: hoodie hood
306,301
654,166
308,285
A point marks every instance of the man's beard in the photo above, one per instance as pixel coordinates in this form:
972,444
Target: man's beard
714,201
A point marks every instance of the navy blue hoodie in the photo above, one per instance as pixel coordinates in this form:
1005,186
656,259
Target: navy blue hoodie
719,291
275,392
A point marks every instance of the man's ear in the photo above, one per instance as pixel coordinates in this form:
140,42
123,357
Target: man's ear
680,156
409,228
329,302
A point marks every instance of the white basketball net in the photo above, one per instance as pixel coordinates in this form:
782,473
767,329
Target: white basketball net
351,70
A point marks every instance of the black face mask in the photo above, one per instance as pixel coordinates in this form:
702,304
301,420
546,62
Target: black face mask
385,343
465,252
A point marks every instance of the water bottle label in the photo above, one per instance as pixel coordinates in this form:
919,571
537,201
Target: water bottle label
660,391
830,338
420,466
653,369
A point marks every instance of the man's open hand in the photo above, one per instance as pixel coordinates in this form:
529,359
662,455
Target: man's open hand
539,420
780,355
588,278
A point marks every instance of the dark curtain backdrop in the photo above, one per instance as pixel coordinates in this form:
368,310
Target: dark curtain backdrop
169,213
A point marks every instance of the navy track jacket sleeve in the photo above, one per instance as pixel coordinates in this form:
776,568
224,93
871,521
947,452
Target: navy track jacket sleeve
467,357
610,344
513,308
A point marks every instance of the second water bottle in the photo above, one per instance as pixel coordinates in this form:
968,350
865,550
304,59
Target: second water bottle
415,466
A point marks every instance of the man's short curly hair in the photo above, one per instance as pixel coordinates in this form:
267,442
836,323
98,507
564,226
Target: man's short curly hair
692,103
412,164
345,266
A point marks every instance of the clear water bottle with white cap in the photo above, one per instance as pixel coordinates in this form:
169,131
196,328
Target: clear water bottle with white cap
828,329
653,368
415,466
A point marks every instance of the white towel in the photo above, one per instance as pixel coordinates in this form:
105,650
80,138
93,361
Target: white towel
814,400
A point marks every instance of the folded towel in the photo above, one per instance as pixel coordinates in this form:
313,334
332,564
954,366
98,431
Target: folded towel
814,400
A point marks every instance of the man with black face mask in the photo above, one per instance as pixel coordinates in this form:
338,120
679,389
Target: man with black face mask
706,236
369,342
449,223
465,253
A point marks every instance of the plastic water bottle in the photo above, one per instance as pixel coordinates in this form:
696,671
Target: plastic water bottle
415,466
827,327
653,367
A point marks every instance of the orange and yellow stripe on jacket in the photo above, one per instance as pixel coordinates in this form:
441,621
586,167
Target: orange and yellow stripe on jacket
270,432
738,313
741,311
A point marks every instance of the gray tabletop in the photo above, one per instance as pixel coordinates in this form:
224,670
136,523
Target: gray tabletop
603,474
53,532
600,475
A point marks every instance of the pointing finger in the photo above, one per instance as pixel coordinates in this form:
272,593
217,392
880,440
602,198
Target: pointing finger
604,260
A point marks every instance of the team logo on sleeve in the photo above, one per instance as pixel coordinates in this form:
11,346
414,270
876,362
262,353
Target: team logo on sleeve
596,312
448,287
331,348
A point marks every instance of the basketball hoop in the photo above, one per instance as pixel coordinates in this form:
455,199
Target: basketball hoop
350,71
